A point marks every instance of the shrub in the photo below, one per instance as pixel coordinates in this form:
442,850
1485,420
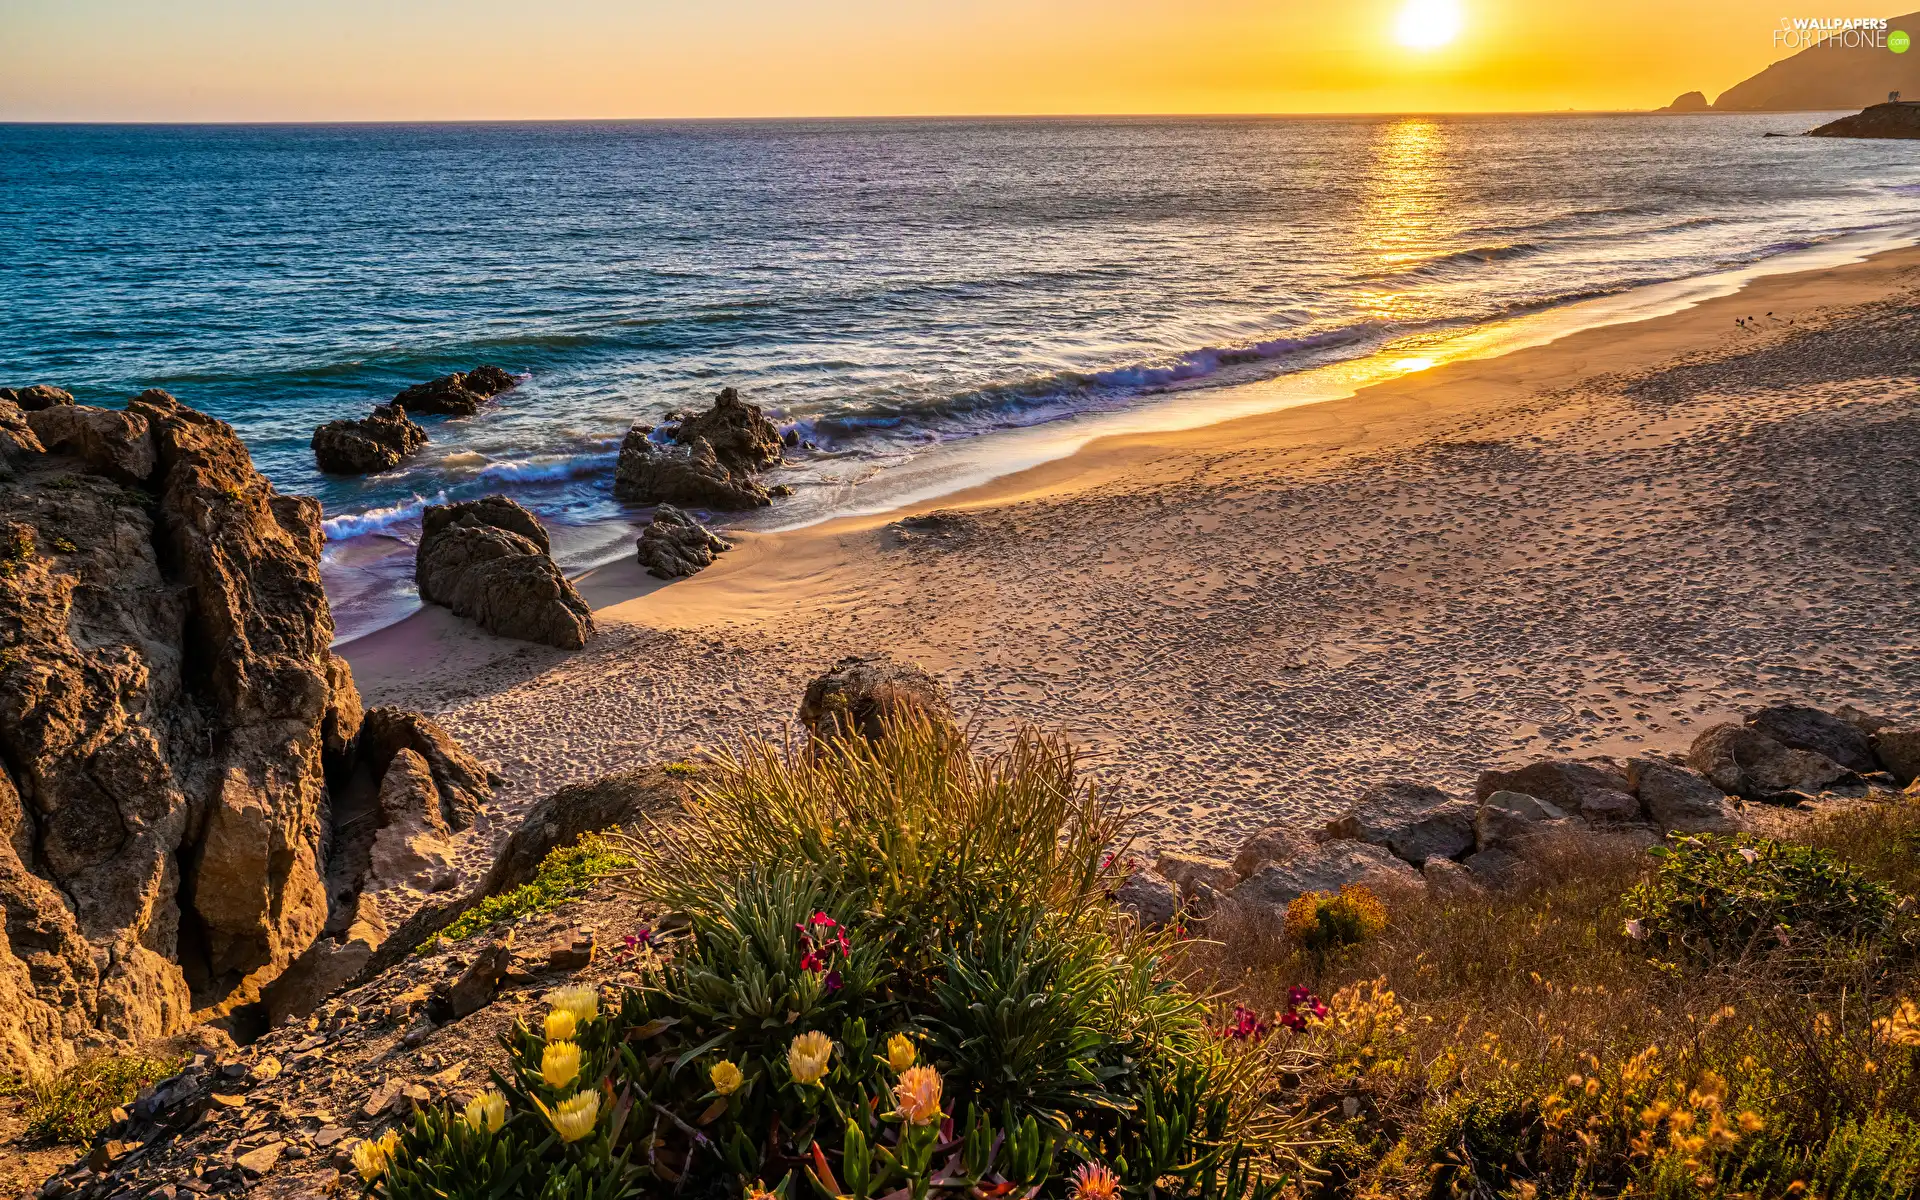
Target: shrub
74,1105
1716,898
563,875
1322,923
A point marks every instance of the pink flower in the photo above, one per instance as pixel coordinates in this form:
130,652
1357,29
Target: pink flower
1296,994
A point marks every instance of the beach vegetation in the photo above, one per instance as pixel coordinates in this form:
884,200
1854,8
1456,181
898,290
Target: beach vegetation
72,1106
563,876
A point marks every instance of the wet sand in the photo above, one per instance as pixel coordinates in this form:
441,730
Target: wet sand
1594,546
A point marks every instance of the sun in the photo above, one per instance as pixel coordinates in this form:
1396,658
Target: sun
1428,24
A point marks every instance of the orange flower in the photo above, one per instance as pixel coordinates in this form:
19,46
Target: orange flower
1093,1181
918,1095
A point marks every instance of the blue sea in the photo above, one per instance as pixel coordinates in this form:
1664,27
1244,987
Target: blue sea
887,287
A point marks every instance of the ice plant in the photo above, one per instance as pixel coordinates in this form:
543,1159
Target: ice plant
487,1112
918,1095
809,1056
583,1002
371,1158
726,1077
1901,1027
560,1025
1094,1181
900,1052
576,1116
560,1063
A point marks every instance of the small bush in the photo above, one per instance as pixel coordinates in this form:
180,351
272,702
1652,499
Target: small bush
73,1106
563,875
1322,923
1718,899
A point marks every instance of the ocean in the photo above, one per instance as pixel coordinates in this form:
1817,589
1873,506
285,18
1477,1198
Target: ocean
888,288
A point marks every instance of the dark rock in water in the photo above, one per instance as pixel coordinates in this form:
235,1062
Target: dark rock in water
456,395
676,544
487,560
1595,790
374,443
1742,761
165,681
689,476
859,695
741,436
1688,102
1900,119
37,397
1803,728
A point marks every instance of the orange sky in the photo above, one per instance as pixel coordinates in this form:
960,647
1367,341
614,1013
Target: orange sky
256,60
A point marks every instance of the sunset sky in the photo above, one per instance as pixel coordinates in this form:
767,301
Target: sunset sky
263,60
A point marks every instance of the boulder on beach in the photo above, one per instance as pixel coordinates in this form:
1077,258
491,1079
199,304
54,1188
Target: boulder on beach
374,443
488,561
1327,867
1414,821
676,544
860,694
689,476
1594,789
36,397
460,783
1742,761
457,395
741,436
1679,800
1799,727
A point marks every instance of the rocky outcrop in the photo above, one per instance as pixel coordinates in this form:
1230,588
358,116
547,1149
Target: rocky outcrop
1678,800
1413,820
19,445
1743,761
460,784
374,443
1896,120
651,472
1799,727
676,544
623,798
487,560
413,847
859,695
36,397
1596,790
743,440
1688,102
457,395
164,678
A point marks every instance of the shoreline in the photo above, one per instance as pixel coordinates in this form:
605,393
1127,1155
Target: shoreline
1198,599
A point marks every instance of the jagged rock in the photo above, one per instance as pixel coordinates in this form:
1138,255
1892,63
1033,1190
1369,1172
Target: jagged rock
164,677
1507,819
690,476
1595,790
1327,867
743,440
476,986
117,445
456,395
19,444
623,798
374,443
479,559
1798,727
329,964
859,695
1413,820
412,848
1742,761
459,779
1189,871
36,397
1681,801
340,726
1898,751
676,544
1277,843
1153,901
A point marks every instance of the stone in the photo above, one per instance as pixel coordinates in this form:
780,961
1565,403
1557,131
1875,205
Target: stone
1678,800
116,445
1898,751
861,694
1276,843
475,987
1860,719
340,724
462,783
1594,789
1801,728
1413,820
688,476
413,847
1446,878
1188,871
621,799
455,395
378,442
1510,819
477,558
1742,761
742,438
259,1161
576,953
1153,901
1327,867
676,544
165,673
19,445
36,397
1496,866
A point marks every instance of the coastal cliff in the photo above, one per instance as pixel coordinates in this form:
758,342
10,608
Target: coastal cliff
1900,120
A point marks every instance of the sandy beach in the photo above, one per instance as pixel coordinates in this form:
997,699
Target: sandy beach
1590,547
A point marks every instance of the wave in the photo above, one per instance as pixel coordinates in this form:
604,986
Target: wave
378,520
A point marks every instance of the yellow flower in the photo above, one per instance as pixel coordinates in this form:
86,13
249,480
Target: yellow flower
918,1095
583,1002
1751,1123
1093,1181
758,1190
1900,1027
373,1158
560,1025
560,1063
575,1117
726,1077
809,1056
487,1112
900,1052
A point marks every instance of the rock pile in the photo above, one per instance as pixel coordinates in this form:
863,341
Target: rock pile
457,395
704,461
488,560
374,443
676,544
